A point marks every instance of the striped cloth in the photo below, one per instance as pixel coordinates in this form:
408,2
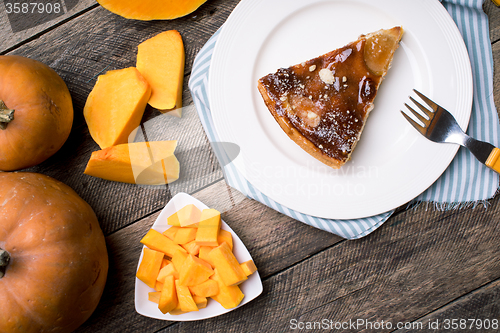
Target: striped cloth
466,181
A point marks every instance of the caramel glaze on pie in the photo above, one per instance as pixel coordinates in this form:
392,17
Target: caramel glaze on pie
322,104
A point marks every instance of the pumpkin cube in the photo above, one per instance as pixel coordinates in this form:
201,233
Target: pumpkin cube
191,247
158,285
149,267
226,263
205,289
164,262
208,228
156,241
170,232
168,297
178,259
229,296
201,302
194,271
203,254
154,296
188,215
185,298
185,235
248,267
166,271
225,236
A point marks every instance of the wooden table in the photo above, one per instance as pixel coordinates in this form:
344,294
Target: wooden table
422,265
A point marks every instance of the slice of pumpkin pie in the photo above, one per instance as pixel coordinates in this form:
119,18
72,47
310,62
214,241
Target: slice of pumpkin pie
323,104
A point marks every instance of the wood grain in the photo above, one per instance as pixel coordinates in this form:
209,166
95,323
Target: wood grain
36,24
271,238
399,273
98,41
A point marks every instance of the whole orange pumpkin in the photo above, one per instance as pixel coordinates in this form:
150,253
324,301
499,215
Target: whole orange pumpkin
36,112
54,255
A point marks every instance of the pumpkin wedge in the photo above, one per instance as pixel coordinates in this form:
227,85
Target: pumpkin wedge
115,106
160,60
145,163
146,10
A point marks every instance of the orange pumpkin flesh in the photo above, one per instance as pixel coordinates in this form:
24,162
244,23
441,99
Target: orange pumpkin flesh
43,112
151,9
58,258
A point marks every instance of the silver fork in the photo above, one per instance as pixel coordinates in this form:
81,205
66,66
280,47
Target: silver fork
440,126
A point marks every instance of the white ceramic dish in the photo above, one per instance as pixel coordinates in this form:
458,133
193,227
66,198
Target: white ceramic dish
392,163
251,288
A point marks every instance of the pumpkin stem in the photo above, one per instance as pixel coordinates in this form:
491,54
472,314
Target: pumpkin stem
6,115
4,261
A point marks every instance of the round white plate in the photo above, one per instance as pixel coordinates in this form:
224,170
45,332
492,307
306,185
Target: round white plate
251,288
392,163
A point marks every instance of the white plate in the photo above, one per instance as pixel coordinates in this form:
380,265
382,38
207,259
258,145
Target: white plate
392,163
251,288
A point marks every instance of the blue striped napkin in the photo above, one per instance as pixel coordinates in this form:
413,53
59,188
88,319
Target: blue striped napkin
465,182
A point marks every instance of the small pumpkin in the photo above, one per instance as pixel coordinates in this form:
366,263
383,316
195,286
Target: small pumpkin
53,257
36,112
151,9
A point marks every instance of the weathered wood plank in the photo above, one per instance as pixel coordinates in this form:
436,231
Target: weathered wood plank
98,41
18,28
478,311
415,263
493,13
274,240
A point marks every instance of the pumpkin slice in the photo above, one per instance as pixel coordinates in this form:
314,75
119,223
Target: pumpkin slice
146,163
168,297
208,228
229,296
150,267
160,60
115,106
226,263
146,10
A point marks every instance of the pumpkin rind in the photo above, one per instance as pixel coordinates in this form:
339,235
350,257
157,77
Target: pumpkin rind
43,112
58,258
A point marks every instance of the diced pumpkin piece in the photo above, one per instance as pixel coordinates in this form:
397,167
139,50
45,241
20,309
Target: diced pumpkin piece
156,241
149,266
201,302
115,106
185,235
170,232
191,248
151,9
188,215
229,296
225,236
160,60
226,263
208,228
178,259
248,267
145,163
168,297
185,298
158,285
164,262
194,271
203,254
205,289
154,296
166,271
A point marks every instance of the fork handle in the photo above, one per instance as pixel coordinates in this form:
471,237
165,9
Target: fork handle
493,161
